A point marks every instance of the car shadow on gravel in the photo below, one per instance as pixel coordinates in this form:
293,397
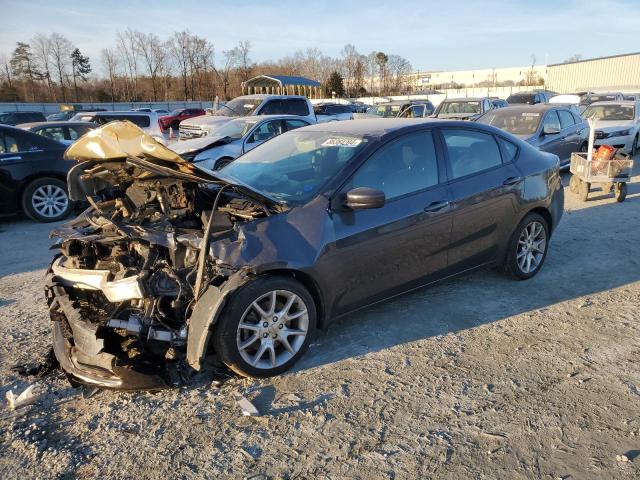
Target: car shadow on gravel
15,234
590,252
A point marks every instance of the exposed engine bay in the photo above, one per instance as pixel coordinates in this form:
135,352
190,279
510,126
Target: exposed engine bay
124,291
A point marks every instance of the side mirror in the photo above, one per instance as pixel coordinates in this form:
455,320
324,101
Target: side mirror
549,130
362,198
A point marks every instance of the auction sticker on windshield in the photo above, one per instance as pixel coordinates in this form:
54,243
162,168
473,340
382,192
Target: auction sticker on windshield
342,142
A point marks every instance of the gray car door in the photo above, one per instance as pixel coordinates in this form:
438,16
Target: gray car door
570,131
553,142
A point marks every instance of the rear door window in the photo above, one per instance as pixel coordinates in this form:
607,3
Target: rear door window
272,107
8,144
293,124
296,106
54,133
470,151
566,119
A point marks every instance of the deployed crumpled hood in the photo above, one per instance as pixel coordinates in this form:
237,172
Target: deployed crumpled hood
122,140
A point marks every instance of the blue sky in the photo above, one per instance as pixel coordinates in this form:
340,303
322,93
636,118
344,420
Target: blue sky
432,35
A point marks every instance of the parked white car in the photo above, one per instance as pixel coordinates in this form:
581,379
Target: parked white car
245,106
568,99
618,124
147,121
234,138
332,112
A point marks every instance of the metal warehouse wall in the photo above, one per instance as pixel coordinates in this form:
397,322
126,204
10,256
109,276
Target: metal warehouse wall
617,73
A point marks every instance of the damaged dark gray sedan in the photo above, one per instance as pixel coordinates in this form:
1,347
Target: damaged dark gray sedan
171,262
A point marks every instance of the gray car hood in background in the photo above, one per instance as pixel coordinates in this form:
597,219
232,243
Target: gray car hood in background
613,125
210,121
459,116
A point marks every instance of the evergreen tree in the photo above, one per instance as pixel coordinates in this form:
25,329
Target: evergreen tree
24,67
80,68
334,84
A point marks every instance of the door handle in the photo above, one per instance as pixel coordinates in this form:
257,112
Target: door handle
17,157
436,206
512,181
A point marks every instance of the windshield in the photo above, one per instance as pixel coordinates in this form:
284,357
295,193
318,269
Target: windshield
460,107
518,123
385,110
525,98
601,98
235,129
415,111
292,168
609,112
239,107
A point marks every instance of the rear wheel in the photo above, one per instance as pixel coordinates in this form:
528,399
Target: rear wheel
266,327
574,184
620,190
528,247
46,200
583,191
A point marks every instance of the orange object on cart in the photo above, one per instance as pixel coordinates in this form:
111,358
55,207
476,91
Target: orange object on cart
605,152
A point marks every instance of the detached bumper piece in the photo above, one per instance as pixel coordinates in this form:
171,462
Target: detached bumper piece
80,351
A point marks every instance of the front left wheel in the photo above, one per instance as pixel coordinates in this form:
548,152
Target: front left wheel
266,327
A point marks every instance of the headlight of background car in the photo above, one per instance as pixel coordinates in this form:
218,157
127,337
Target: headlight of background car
619,133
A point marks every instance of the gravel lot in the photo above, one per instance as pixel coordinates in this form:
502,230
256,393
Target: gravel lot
481,377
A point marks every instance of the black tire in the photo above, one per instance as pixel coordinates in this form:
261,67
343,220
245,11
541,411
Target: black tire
511,265
222,162
583,191
33,193
620,190
574,183
225,334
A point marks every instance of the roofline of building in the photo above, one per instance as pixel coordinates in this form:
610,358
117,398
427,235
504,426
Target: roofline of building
594,59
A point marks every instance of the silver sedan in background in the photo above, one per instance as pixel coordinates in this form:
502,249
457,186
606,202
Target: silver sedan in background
234,138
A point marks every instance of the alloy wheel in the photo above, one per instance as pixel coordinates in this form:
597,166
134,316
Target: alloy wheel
531,247
50,201
272,329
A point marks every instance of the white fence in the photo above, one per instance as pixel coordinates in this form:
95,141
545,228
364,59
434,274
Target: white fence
49,108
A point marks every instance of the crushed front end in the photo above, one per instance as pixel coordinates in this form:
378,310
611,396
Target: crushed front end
123,290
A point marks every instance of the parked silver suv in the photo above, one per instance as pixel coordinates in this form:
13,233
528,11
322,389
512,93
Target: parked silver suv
244,106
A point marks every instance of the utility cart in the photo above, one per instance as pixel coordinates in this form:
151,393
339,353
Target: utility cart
612,174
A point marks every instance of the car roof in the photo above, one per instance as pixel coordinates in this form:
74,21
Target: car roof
538,107
54,124
631,103
262,96
257,118
467,99
22,111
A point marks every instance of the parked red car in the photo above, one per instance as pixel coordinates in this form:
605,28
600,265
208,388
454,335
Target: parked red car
174,118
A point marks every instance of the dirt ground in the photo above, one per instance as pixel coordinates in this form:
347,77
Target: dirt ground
481,377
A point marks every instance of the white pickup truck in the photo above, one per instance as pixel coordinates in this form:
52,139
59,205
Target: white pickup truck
244,106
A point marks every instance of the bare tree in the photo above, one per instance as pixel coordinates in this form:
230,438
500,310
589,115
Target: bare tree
128,52
243,60
61,49
152,52
179,46
397,70
42,54
229,61
110,64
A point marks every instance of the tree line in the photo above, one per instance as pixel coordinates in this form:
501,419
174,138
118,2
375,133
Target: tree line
142,66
